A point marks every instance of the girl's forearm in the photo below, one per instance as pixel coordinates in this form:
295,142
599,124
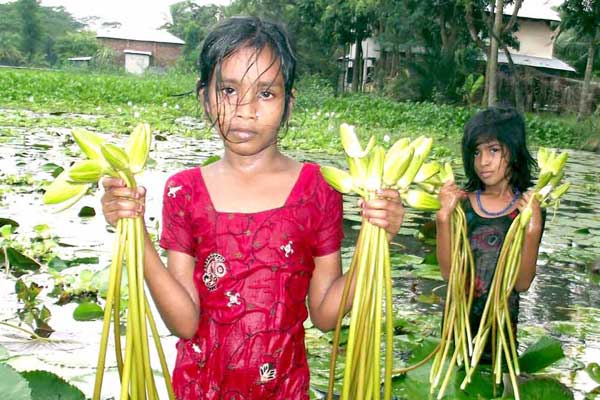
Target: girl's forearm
529,255
325,316
174,303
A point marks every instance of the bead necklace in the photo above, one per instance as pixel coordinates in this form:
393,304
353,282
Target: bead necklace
496,213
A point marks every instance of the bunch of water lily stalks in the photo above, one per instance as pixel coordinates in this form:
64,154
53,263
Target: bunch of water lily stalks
371,169
456,337
106,159
495,324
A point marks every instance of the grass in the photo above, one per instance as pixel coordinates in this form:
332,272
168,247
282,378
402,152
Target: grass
119,101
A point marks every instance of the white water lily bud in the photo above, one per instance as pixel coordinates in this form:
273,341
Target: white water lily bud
397,160
427,171
61,190
446,174
116,157
560,191
559,163
89,143
339,179
351,144
375,169
138,147
86,171
542,158
420,200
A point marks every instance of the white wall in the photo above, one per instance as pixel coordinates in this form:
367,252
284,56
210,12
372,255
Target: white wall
136,63
535,37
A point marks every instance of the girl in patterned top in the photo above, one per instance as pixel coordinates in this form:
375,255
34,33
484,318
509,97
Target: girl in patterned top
498,168
250,237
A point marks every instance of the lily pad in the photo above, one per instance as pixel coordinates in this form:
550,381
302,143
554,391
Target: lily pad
544,388
19,263
546,351
12,385
88,312
8,221
48,386
593,370
86,212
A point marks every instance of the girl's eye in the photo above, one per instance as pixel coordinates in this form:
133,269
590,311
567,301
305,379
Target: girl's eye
265,94
477,152
227,91
495,149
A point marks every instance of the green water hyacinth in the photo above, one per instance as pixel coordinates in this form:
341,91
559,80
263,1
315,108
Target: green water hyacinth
495,322
135,371
370,169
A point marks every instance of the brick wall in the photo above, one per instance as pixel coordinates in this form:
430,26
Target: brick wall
163,54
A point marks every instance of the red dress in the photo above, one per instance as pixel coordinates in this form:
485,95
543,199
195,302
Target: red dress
252,274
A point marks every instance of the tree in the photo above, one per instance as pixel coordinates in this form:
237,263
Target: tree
491,23
191,23
583,17
31,31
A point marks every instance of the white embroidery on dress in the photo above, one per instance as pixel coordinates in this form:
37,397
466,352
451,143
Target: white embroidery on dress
214,268
234,298
196,348
173,191
287,248
267,372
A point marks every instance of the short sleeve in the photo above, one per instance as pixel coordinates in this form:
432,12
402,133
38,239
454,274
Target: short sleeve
329,231
176,226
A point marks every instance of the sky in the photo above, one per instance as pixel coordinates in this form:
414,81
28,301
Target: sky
132,13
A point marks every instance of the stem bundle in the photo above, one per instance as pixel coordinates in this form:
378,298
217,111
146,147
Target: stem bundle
137,378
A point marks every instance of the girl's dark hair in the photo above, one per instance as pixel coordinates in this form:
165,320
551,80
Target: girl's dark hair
239,32
506,125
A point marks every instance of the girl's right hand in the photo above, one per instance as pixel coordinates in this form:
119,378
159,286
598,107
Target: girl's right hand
450,194
119,201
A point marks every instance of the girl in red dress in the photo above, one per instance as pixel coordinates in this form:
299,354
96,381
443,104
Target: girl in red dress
250,237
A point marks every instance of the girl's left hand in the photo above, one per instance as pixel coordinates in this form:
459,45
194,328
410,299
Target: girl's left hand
535,223
386,211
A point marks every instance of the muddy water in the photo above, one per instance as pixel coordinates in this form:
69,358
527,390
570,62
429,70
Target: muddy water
564,300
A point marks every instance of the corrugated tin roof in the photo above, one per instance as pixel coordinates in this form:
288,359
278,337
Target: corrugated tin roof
537,9
538,62
143,35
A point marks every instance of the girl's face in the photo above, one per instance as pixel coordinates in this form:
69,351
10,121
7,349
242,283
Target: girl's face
491,164
247,101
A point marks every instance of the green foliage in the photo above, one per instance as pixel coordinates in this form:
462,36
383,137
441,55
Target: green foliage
12,385
31,30
33,313
76,44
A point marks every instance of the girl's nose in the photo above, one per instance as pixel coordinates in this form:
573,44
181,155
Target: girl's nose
485,158
246,108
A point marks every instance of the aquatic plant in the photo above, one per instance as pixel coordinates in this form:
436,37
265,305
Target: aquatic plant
137,379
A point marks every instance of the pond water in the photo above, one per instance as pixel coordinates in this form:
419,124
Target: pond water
564,300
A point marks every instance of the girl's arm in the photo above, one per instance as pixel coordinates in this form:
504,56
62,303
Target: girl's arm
171,288
531,244
450,195
325,291
327,283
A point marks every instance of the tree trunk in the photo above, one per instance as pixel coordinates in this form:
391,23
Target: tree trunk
585,100
493,58
357,65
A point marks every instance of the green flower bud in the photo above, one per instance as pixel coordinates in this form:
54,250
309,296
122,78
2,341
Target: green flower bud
338,179
89,143
138,147
116,157
86,171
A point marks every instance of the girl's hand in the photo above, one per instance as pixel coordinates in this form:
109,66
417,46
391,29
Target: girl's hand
386,211
450,194
535,223
119,201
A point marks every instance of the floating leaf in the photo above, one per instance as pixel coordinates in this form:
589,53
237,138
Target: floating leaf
46,386
12,385
8,221
19,263
541,354
88,312
86,212
593,370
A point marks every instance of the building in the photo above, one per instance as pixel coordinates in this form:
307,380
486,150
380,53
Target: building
139,49
536,35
